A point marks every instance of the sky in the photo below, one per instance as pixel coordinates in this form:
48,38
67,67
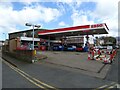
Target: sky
51,14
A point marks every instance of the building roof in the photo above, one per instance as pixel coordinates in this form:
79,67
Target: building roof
27,31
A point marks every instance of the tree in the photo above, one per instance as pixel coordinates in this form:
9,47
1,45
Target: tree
109,40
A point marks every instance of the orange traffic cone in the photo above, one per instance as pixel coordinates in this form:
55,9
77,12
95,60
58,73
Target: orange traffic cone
89,56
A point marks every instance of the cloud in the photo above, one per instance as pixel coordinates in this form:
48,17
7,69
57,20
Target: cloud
80,19
106,8
10,19
62,23
106,11
28,2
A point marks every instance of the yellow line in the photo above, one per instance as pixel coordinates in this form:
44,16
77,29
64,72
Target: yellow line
107,87
43,83
113,86
113,83
24,75
103,86
19,71
49,86
30,79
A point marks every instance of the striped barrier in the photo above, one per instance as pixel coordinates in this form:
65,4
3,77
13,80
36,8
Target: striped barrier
105,56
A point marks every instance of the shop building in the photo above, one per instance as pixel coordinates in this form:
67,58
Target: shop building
23,40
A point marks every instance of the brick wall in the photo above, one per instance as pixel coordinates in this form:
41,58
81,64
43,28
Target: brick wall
12,45
24,55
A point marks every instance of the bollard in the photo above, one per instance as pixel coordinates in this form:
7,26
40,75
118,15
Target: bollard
93,55
34,55
34,52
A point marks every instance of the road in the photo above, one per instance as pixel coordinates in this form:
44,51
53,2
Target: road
44,75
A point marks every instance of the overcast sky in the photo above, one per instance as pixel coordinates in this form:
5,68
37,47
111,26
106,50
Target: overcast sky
57,14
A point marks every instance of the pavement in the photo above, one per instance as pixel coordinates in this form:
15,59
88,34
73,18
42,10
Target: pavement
76,60
114,72
41,56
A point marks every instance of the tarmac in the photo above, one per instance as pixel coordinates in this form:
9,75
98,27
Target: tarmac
76,60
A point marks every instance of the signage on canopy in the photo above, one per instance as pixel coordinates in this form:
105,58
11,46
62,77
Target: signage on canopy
96,25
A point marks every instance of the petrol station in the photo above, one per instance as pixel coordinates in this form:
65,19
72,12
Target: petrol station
90,63
49,40
62,35
45,38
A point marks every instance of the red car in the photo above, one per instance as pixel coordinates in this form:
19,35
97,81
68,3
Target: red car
42,48
79,49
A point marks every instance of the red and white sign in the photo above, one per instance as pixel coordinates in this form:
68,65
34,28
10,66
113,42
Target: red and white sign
96,25
85,29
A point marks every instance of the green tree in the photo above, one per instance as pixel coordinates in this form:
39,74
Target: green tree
109,40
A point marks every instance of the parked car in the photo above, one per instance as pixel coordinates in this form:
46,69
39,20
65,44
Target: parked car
65,48
42,48
116,47
71,48
85,49
80,48
58,48
98,47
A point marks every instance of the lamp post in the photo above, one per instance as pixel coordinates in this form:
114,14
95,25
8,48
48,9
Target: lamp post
87,37
5,35
5,41
29,24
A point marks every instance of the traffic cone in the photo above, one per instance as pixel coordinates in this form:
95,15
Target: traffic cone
88,56
114,53
111,57
105,60
101,59
92,55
